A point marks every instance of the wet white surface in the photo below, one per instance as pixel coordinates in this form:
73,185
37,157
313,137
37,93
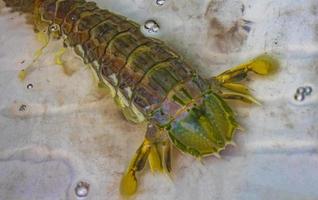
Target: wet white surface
70,131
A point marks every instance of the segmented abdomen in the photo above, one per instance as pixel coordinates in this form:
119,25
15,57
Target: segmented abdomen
143,72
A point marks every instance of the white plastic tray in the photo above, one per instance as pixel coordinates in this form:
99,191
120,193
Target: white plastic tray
69,131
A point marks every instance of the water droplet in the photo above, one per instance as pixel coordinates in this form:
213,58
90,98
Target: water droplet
81,189
30,86
160,2
300,90
54,27
299,97
151,26
308,90
22,107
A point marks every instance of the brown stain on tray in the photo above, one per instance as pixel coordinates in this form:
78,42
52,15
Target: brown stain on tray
226,34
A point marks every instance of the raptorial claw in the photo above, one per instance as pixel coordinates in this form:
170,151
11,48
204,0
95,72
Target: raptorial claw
129,183
157,150
242,97
237,87
262,65
155,160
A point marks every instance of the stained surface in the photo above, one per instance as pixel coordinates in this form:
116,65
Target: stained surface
70,131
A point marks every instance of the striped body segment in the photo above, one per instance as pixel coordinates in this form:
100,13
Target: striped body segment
145,76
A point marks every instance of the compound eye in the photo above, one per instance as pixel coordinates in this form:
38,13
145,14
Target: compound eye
48,12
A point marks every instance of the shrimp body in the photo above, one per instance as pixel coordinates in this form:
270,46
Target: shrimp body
149,82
